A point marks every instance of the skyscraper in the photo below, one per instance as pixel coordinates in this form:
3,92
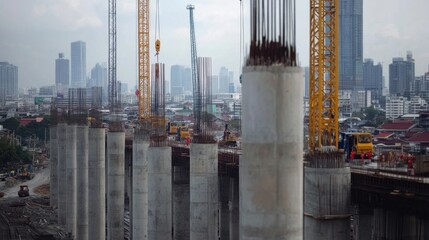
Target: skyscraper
8,81
177,76
78,64
225,77
401,75
373,78
351,46
62,74
215,84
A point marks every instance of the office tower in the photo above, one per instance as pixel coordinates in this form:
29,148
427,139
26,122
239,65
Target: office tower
215,84
231,88
99,79
225,77
373,78
177,75
187,80
8,81
78,64
350,41
62,74
401,75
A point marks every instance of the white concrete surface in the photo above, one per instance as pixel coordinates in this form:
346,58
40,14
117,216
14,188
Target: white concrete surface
71,186
82,182
271,170
140,189
62,178
234,213
160,195
116,185
204,191
96,184
53,165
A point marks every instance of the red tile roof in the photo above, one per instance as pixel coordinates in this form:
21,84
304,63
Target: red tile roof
383,135
397,126
420,137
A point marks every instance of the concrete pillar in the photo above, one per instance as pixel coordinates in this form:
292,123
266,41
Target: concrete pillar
234,205
53,165
364,224
327,203
116,184
82,182
160,193
71,185
224,207
181,202
96,184
62,178
271,170
203,186
140,189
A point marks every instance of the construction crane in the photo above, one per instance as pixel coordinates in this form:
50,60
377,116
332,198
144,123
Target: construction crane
113,90
194,73
323,117
143,92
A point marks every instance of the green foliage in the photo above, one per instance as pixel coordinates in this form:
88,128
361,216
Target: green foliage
11,124
35,128
11,153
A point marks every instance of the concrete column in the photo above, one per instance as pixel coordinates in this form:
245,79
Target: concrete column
71,185
140,189
181,202
160,195
53,165
97,184
271,170
204,191
116,184
327,194
82,182
364,224
234,214
224,207
62,178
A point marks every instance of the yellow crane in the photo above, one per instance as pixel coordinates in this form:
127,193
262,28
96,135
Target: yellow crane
143,92
324,35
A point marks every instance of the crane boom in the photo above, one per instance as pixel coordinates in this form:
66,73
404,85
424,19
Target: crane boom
143,93
323,117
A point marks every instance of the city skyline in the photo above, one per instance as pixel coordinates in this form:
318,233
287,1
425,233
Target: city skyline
52,26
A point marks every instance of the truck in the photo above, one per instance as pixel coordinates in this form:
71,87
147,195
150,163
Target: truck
24,191
356,142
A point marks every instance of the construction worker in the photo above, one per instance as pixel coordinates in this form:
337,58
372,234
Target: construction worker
187,140
352,155
362,157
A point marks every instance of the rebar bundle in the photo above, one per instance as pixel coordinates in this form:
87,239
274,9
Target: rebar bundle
77,109
273,32
325,159
158,135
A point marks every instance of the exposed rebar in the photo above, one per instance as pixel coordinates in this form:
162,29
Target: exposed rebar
273,33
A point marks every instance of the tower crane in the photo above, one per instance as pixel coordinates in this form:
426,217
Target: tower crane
323,117
143,92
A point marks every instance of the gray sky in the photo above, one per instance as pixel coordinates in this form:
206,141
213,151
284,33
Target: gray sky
33,32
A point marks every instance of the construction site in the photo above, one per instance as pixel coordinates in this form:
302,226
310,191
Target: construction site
109,181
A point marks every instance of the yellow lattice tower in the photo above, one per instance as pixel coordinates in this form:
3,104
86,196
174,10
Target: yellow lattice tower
143,93
323,119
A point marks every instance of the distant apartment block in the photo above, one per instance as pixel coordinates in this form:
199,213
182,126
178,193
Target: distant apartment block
62,74
396,106
401,75
373,78
225,78
8,81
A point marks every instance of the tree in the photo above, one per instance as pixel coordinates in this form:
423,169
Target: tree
11,153
11,124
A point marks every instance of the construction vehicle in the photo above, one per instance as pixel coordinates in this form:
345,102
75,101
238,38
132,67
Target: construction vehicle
24,191
229,139
183,132
356,142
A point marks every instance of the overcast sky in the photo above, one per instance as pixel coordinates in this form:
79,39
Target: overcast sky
33,32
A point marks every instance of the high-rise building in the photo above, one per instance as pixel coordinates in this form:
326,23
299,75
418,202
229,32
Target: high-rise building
215,84
78,64
62,74
351,45
8,81
401,75
225,77
177,78
373,78
99,79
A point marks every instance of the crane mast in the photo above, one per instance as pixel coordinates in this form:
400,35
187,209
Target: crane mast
113,91
323,117
143,92
194,72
